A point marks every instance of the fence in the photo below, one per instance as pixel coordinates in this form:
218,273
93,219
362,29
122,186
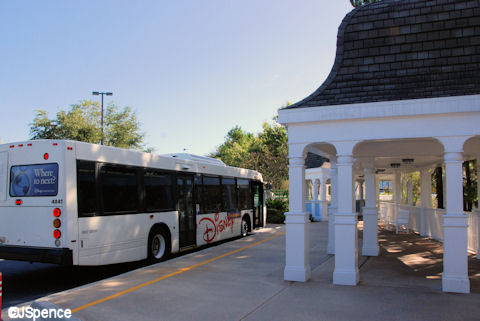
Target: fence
429,222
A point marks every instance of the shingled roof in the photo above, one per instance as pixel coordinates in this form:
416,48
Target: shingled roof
314,160
404,49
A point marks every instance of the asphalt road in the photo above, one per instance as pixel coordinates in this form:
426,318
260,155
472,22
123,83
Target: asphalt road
24,281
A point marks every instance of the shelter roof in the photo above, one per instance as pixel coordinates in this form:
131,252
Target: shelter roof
404,49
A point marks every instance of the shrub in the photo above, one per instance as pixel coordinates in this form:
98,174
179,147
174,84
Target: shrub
276,209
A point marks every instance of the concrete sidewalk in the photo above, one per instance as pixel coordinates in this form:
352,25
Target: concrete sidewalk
243,280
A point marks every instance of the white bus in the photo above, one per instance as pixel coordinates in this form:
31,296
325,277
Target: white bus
68,202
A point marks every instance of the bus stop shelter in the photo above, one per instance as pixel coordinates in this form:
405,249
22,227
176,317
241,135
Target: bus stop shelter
403,95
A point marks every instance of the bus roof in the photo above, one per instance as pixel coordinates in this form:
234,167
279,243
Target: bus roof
177,161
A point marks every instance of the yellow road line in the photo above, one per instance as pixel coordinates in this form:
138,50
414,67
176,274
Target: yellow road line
173,274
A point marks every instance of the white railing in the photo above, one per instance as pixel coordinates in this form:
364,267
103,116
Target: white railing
474,233
429,222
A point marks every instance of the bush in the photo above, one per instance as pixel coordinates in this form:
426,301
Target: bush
276,209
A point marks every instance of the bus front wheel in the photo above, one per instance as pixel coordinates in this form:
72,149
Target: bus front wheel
158,245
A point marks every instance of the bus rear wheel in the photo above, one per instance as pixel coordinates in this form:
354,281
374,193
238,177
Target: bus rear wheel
158,246
245,227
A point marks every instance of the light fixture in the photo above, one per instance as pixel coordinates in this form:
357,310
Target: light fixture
96,93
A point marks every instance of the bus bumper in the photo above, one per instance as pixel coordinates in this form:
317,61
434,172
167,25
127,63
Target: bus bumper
36,254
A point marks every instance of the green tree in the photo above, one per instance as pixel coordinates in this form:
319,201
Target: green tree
236,148
82,123
266,152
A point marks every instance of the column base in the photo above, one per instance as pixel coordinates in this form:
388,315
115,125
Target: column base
323,210
331,231
455,284
370,251
297,273
370,232
346,277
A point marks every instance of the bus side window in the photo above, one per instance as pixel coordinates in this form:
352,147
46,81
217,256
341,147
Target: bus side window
199,206
243,194
119,189
86,188
229,194
158,191
212,194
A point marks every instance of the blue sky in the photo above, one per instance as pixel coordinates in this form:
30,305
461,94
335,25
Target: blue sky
191,69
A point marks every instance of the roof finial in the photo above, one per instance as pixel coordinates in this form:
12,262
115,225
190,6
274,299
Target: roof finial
358,3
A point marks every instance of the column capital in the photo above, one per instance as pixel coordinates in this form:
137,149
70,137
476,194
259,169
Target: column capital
453,157
369,171
333,166
453,143
344,160
425,169
296,161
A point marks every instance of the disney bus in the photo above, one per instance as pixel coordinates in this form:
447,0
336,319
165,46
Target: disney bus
75,203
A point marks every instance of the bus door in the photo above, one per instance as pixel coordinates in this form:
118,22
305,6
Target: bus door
186,210
257,196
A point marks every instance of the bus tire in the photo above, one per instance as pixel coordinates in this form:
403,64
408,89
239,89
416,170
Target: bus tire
245,227
159,246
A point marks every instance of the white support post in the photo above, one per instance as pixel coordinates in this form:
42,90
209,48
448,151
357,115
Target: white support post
477,210
370,216
346,252
323,203
455,255
323,189
297,248
425,197
397,191
315,214
478,184
410,192
333,206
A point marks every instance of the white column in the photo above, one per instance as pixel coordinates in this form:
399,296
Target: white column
477,210
315,214
360,189
315,189
333,206
478,184
346,252
455,255
425,197
397,189
323,188
370,216
297,248
410,191
323,204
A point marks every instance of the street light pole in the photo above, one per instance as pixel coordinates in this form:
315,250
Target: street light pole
96,93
